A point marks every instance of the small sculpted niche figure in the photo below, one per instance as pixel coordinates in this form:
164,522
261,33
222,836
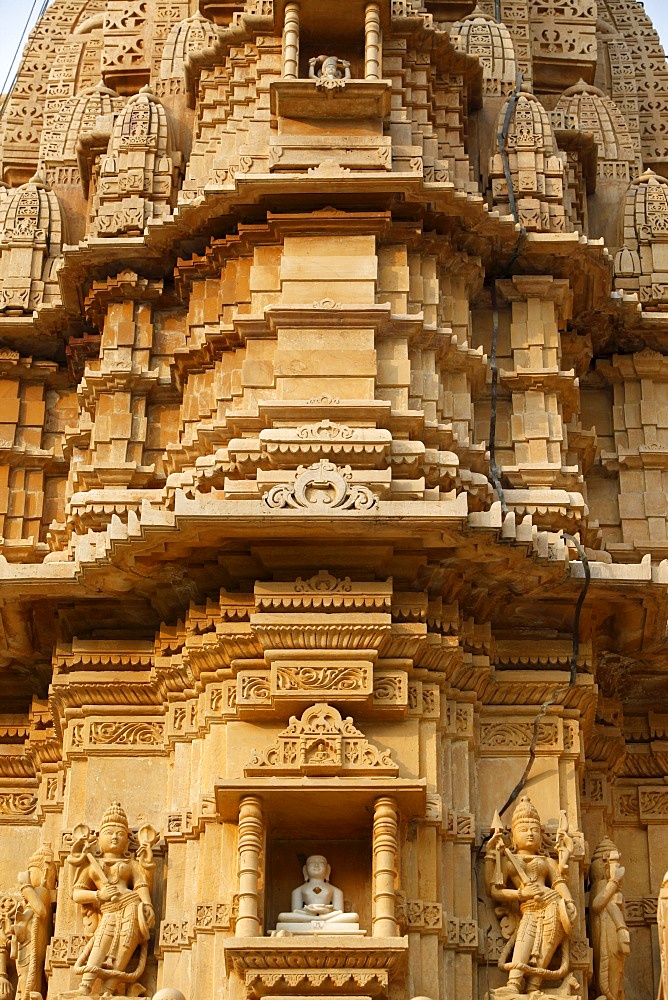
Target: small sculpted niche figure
33,923
532,886
317,905
610,937
114,890
329,71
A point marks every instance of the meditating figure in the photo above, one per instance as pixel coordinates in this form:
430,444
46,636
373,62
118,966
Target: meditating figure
533,886
317,905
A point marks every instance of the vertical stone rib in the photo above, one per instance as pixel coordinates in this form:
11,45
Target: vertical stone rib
384,858
291,42
251,829
372,58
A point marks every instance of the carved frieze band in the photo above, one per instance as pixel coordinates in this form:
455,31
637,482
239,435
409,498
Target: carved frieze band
18,806
644,805
640,910
507,737
99,734
372,982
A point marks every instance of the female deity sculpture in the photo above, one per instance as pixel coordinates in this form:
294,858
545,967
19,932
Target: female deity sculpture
114,890
662,922
533,887
317,905
33,923
609,934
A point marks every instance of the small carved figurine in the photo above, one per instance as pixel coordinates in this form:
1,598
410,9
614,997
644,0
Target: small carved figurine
531,885
8,906
329,71
317,905
114,890
609,934
33,923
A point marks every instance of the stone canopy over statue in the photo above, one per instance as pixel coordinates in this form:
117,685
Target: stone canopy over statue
530,888
317,905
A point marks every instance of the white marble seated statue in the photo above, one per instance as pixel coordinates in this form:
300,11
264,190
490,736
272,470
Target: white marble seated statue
317,905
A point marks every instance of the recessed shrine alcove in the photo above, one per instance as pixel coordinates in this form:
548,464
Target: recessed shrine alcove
350,861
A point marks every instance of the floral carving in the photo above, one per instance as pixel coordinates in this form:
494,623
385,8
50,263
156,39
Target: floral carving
14,804
323,582
126,733
339,678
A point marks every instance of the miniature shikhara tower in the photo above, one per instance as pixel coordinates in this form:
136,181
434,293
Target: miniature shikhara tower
334,501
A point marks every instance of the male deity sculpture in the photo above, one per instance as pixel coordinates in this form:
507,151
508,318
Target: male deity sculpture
26,927
33,923
610,937
317,905
523,880
114,890
329,71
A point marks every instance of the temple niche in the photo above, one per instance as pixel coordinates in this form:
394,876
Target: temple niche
333,502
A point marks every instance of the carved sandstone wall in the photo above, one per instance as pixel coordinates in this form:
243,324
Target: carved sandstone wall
333,501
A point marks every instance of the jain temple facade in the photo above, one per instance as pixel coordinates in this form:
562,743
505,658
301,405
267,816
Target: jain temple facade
334,502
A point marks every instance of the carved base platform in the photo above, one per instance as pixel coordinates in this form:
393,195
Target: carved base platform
332,966
565,990
317,927
135,990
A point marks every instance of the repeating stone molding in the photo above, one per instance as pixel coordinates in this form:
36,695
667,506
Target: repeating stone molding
321,742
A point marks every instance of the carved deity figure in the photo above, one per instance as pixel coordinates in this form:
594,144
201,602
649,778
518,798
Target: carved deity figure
114,890
531,886
317,905
609,934
33,923
329,71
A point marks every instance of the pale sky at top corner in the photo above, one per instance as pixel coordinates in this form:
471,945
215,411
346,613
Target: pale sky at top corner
16,13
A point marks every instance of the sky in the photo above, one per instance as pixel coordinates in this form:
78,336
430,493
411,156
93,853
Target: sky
15,14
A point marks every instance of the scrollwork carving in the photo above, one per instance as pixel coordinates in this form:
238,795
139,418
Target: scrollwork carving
320,488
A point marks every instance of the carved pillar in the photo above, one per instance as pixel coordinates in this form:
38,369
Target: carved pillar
372,58
291,42
384,858
251,829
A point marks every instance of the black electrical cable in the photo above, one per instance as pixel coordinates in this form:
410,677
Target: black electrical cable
502,136
493,466
501,142
495,472
544,708
497,10
17,51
